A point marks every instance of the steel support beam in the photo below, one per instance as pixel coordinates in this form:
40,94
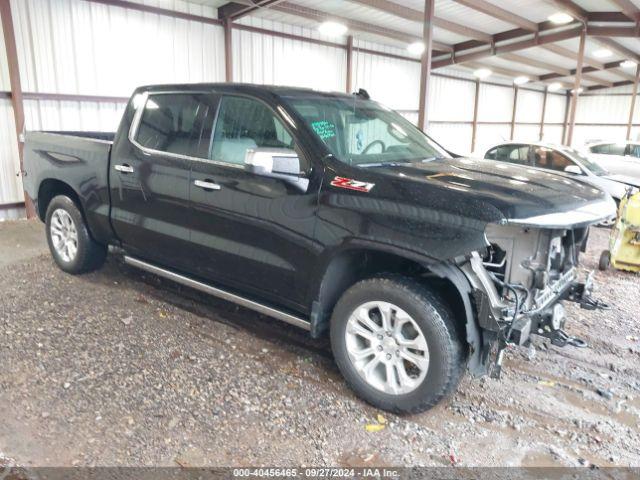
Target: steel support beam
349,81
566,117
513,113
544,111
629,9
474,125
611,66
228,50
606,31
461,57
576,87
16,89
633,102
425,65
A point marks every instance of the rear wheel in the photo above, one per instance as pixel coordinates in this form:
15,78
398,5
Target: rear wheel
69,241
396,344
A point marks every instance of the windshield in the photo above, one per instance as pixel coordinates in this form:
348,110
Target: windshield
363,133
589,164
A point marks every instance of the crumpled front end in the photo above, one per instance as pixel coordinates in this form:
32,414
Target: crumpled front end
528,267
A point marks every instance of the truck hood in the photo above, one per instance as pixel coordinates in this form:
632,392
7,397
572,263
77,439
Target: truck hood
482,188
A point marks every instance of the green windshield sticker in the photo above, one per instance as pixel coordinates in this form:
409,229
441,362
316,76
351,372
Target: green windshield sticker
324,129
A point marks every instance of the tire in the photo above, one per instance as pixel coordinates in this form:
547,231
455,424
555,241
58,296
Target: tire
605,260
446,349
64,216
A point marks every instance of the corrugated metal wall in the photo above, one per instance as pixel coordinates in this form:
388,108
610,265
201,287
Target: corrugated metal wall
265,59
77,47
608,110
393,82
10,182
82,48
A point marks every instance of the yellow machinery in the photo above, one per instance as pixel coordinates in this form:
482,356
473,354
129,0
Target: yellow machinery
624,243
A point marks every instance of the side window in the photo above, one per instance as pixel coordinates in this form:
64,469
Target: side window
243,124
559,161
512,154
634,151
541,157
178,123
503,152
609,149
617,149
551,159
491,154
602,149
520,155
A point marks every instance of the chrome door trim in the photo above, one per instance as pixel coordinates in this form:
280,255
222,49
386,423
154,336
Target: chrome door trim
216,292
206,185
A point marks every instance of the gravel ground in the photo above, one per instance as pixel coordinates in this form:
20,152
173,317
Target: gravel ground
119,367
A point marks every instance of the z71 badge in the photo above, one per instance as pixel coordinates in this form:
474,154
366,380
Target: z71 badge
351,184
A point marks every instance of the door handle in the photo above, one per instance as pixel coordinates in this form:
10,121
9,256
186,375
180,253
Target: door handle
206,184
124,168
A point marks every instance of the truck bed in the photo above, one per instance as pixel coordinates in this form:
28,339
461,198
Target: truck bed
77,159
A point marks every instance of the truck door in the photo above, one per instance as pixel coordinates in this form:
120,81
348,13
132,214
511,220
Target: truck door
150,174
252,231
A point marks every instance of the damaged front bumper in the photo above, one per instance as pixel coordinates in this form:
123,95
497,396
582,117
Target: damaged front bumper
547,321
529,266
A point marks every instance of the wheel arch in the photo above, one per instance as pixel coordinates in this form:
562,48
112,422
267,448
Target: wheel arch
360,261
49,189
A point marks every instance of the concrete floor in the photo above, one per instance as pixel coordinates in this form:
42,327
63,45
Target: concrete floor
119,367
21,240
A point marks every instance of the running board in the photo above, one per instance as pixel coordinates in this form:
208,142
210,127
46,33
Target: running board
216,292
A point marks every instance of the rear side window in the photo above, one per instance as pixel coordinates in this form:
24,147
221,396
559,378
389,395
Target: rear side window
510,153
609,149
243,124
178,123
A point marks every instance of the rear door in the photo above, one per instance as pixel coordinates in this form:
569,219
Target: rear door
250,231
150,174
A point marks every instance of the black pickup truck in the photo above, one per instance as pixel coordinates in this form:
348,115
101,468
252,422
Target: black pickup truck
332,213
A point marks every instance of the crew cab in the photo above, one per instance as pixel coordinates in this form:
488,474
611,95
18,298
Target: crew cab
330,212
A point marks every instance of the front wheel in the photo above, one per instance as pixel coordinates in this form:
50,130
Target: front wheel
396,344
605,260
69,240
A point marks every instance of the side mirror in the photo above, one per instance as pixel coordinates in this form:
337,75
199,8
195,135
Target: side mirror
279,163
573,169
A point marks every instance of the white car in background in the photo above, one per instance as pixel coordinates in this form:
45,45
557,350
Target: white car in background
619,158
563,160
